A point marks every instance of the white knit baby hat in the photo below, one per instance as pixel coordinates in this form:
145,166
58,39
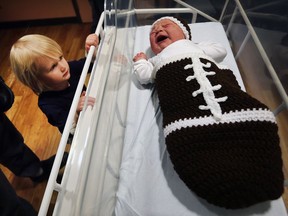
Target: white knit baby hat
180,22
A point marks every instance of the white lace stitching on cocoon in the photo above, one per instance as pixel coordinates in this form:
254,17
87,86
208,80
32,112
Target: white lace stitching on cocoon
212,103
231,117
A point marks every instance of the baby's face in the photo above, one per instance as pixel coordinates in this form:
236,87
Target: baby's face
164,33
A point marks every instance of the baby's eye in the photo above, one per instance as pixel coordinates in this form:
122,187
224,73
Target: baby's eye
60,58
166,25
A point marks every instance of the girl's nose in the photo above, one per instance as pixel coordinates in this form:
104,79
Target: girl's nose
62,67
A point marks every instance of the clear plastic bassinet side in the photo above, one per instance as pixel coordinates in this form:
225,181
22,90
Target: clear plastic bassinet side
90,178
102,128
100,181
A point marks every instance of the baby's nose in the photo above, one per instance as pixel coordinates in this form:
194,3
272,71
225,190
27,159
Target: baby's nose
160,28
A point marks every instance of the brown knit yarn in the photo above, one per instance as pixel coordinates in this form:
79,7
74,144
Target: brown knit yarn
186,26
231,165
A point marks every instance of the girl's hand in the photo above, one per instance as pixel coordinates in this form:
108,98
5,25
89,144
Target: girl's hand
90,102
91,40
139,56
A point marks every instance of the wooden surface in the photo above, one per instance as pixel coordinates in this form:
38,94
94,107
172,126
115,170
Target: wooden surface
43,138
38,134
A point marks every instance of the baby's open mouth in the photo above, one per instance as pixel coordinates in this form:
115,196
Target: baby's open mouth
161,38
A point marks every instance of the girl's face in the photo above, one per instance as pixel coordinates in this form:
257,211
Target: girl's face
164,33
55,73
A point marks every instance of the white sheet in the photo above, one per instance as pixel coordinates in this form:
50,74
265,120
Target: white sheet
148,184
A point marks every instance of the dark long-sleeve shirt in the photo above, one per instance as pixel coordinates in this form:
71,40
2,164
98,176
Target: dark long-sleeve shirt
56,104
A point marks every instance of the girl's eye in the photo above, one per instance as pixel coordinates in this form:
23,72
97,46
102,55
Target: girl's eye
53,66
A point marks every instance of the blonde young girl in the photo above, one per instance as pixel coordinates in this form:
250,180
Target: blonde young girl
38,62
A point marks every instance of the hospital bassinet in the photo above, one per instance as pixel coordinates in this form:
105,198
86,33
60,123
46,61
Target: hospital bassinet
118,163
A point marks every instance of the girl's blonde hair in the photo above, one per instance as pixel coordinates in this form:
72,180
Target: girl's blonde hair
24,57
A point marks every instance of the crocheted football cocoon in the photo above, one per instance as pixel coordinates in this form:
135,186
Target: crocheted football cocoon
222,142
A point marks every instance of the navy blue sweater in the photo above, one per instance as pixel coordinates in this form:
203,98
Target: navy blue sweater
56,104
